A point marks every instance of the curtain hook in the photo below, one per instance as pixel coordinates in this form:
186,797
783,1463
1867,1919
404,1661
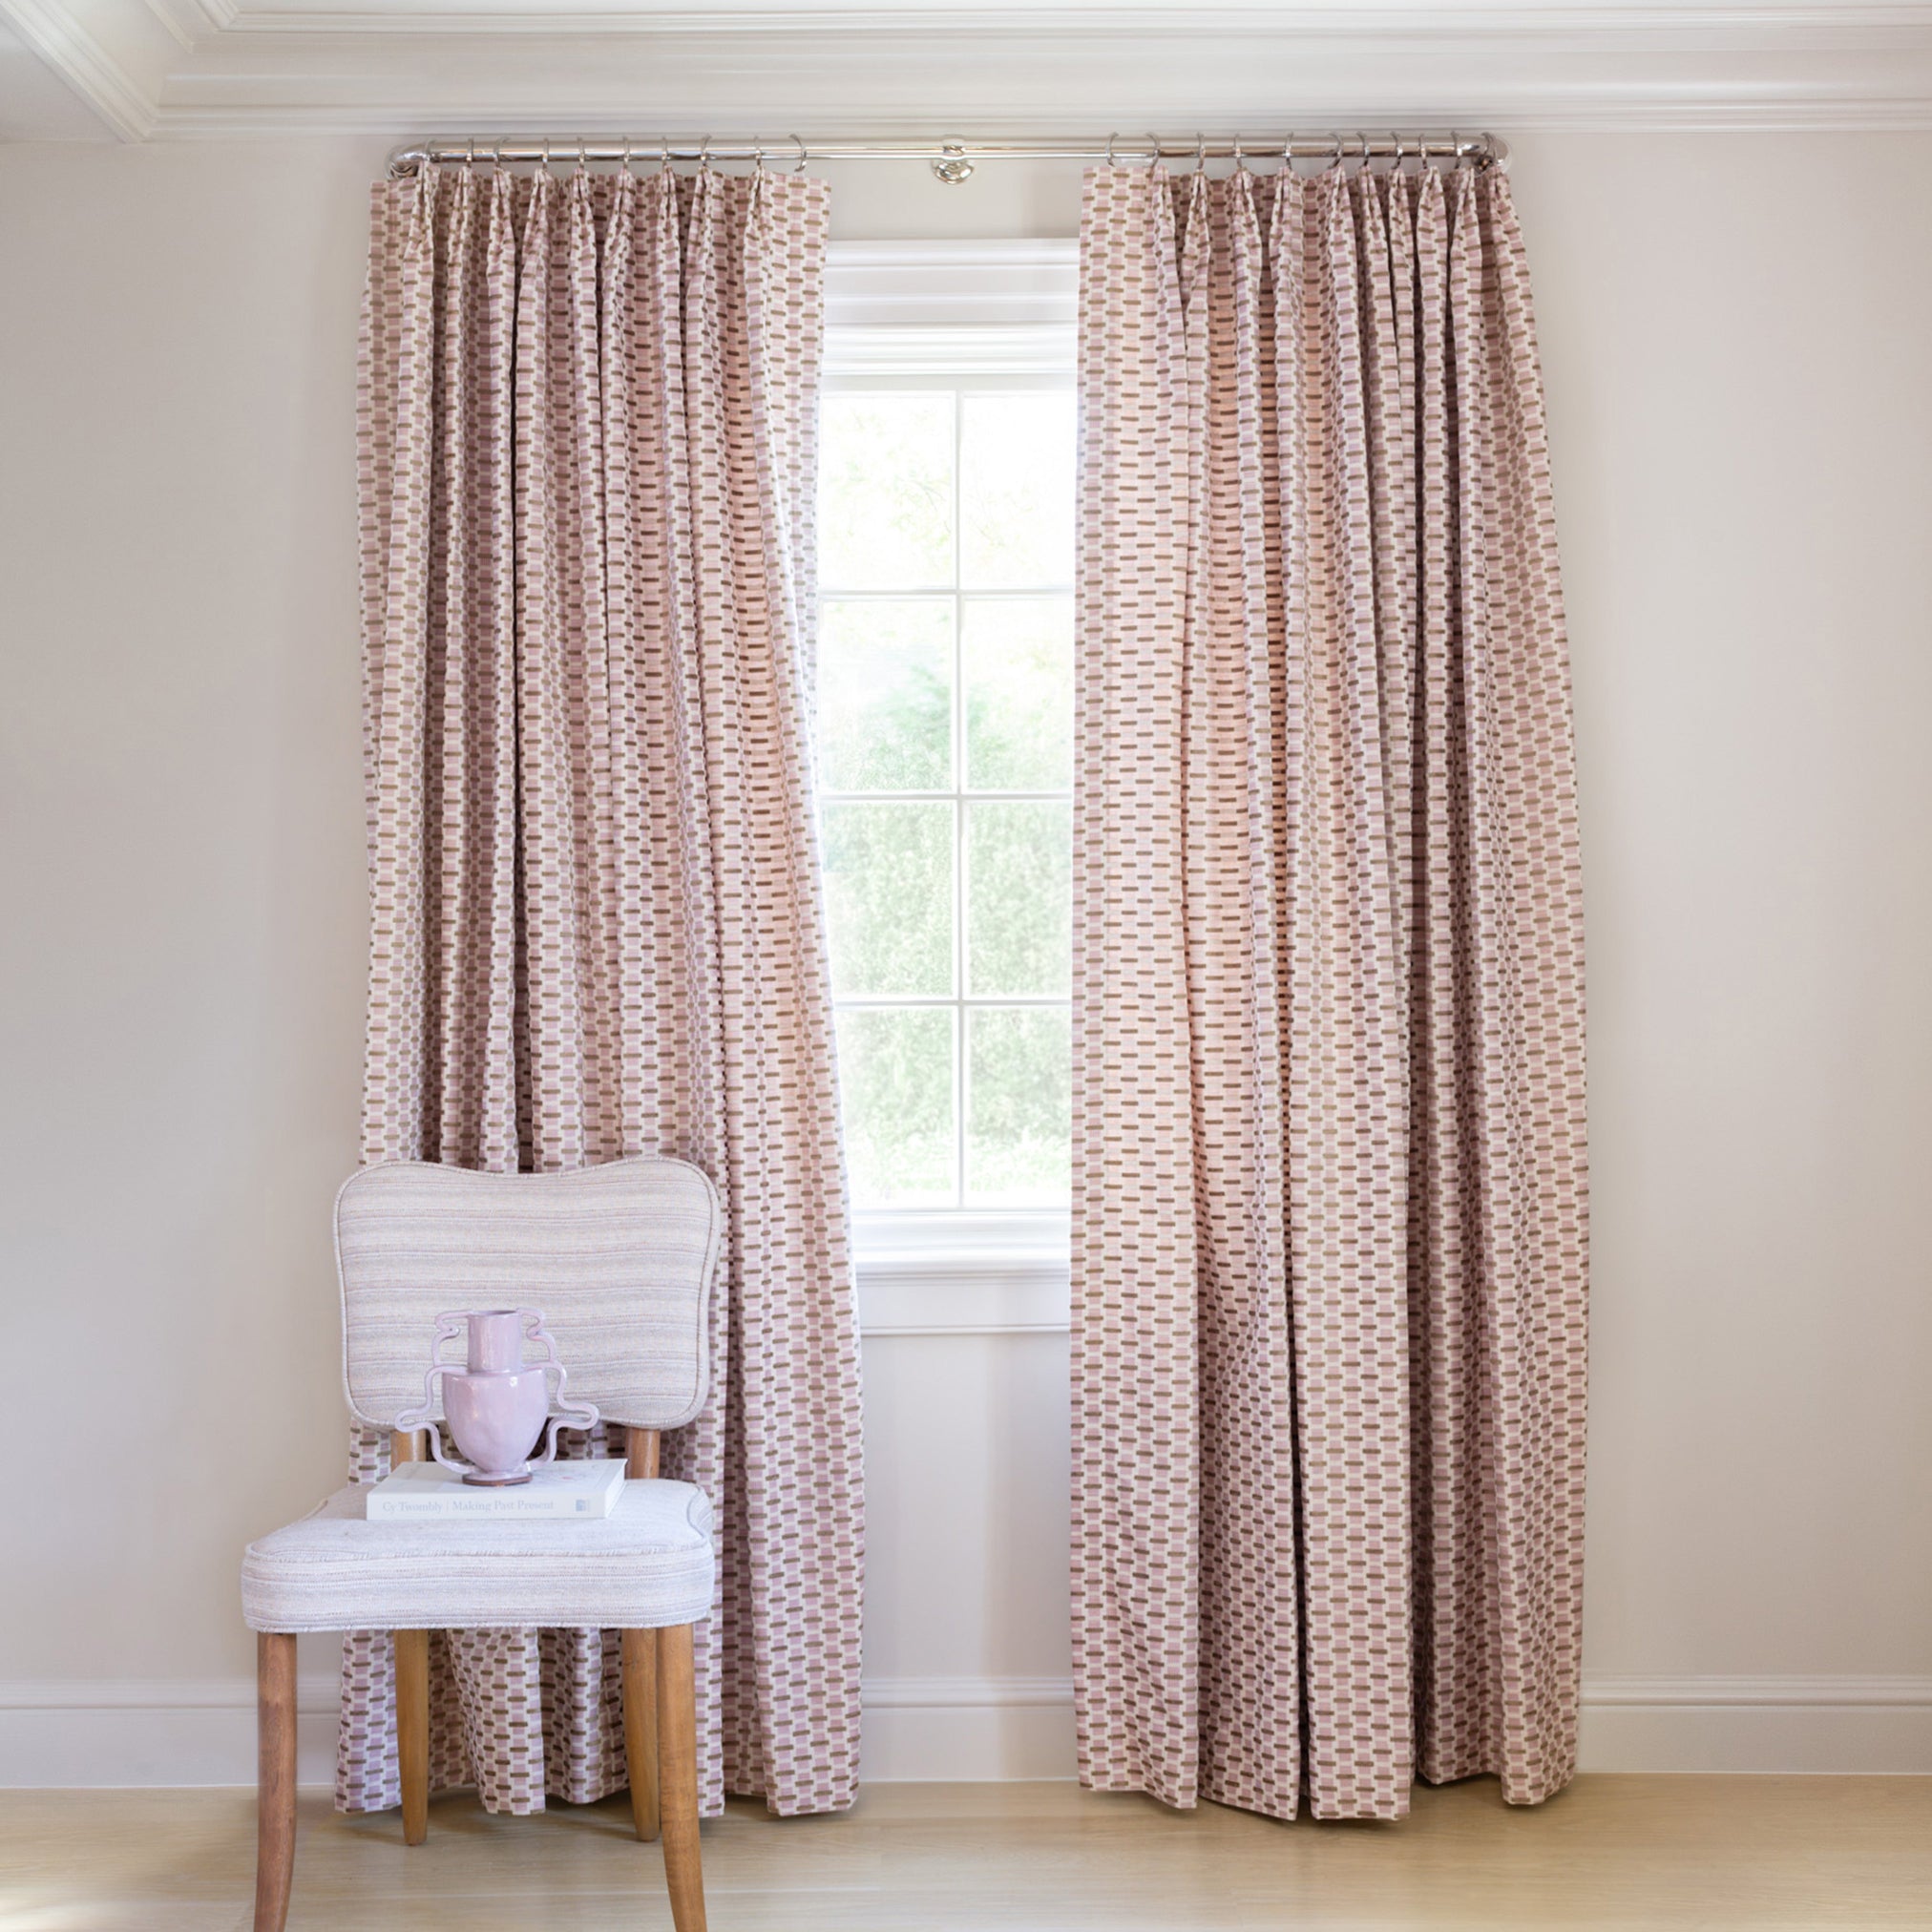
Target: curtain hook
1200,153
1111,162
1240,159
803,157
758,154
1154,155
1401,151
1336,146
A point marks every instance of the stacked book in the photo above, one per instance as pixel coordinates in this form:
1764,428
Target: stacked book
418,1492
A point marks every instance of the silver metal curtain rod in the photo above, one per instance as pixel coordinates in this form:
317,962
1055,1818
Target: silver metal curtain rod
954,160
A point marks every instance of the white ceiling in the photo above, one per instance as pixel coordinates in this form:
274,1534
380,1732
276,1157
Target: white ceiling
196,69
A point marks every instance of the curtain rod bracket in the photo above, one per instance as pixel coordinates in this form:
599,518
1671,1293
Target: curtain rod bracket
951,165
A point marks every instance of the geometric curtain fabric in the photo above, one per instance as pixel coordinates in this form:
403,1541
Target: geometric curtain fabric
1330,1194
588,417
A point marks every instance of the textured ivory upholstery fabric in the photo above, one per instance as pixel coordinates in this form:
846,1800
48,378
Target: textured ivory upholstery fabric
648,1564
588,420
618,1258
1330,1186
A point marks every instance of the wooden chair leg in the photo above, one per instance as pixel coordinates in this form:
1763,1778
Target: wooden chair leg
641,1727
678,1777
641,1671
413,1730
275,1779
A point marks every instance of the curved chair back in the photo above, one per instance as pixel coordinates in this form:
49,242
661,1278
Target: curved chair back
619,1257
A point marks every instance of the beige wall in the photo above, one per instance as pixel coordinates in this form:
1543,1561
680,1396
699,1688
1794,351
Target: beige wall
1741,409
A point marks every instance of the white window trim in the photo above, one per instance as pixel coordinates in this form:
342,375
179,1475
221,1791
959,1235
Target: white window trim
955,308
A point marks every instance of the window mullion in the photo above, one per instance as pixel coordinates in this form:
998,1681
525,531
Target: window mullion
886,529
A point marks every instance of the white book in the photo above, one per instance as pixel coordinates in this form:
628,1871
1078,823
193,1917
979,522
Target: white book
417,1492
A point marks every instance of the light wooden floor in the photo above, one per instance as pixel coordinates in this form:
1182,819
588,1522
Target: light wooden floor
1612,1851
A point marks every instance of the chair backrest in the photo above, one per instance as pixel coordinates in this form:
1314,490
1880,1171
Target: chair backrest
619,1257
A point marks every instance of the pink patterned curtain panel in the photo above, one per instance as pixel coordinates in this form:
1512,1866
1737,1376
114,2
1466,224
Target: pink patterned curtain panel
1330,1183
588,418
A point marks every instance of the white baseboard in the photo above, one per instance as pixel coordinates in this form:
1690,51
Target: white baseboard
966,1729
174,1731
1802,1725
167,1731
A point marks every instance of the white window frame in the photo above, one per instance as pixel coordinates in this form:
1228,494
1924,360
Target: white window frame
993,314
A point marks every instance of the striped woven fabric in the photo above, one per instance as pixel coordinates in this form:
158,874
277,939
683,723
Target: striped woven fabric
618,1258
649,1562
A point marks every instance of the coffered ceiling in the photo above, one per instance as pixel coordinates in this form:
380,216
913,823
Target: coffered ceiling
139,70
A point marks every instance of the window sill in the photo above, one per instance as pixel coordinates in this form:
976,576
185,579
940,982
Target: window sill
962,1274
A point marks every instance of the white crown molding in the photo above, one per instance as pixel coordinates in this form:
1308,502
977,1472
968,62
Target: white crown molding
1601,25
178,20
200,68
263,69
112,53
184,1732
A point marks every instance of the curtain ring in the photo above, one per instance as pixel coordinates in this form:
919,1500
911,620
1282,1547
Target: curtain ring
1401,152
1288,154
1111,162
1200,154
1240,159
1335,157
1362,140
1154,155
757,155
546,152
803,157
704,156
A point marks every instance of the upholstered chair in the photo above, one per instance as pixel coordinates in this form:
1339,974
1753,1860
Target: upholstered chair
620,1260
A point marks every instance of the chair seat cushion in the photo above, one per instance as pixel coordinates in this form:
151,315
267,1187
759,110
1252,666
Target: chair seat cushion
649,1562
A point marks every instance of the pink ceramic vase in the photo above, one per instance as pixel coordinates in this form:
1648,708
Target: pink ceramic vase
497,1405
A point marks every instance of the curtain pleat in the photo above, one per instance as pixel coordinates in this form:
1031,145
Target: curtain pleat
1329,1194
588,408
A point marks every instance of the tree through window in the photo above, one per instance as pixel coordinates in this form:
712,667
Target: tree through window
945,756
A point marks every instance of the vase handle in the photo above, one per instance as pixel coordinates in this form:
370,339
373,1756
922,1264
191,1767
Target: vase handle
566,1414
449,1328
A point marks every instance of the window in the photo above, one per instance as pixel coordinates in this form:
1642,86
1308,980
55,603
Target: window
945,755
